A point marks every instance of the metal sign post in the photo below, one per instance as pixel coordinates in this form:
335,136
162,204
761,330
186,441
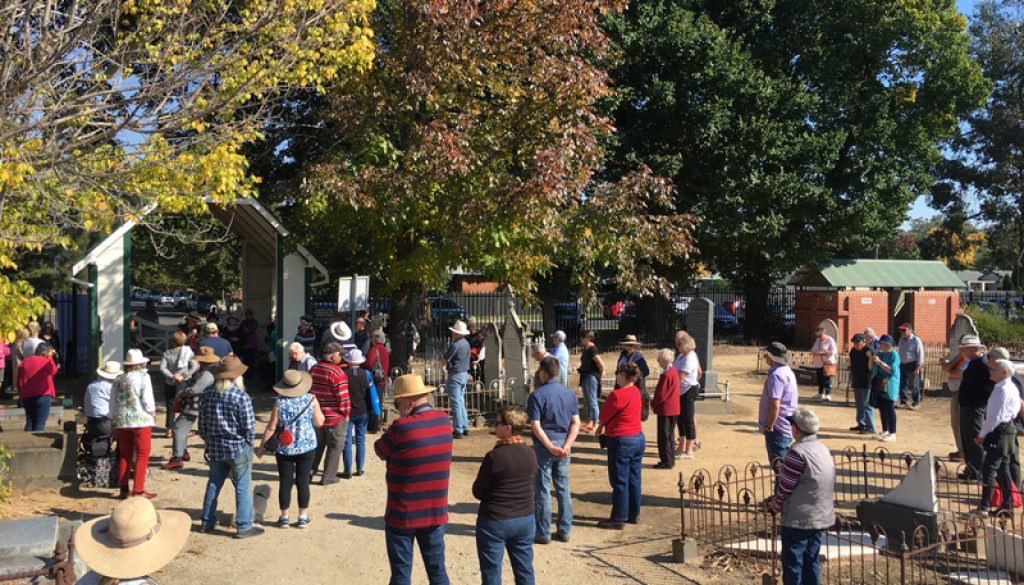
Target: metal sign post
353,296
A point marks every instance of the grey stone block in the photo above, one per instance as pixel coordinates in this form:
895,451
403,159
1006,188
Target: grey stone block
31,537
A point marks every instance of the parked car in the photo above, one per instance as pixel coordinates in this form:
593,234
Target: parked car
444,311
569,317
613,310
722,319
167,299
203,304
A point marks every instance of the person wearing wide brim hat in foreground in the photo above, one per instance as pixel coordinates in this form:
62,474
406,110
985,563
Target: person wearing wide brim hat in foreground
778,400
135,540
188,397
297,413
631,354
228,425
456,363
424,471
132,413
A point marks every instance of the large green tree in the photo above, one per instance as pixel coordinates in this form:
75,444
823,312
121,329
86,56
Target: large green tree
473,142
796,130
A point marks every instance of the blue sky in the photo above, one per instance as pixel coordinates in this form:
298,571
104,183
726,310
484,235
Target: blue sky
920,207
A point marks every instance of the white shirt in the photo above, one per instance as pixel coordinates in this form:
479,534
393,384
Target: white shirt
688,367
97,398
1003,406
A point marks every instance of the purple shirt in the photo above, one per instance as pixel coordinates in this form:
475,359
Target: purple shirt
781,385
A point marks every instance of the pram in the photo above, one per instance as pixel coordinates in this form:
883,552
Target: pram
97,460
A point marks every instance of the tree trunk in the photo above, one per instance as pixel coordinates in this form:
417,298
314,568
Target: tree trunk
547,313
656,319
405,319
756,320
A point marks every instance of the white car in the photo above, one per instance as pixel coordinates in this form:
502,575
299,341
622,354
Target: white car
166,300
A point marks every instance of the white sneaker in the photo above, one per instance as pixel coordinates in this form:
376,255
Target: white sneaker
819,397
889,438
882,436
828,398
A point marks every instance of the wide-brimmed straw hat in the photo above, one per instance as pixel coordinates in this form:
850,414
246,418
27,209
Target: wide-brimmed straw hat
109,370
355,357
410,385
134,357
135,540
777,352
459,328
294,384
630,340
971,341
206,355
230,368
341,331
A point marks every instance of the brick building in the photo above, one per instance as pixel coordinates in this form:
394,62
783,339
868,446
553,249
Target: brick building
880,294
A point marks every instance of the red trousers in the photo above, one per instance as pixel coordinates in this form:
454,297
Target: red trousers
133,445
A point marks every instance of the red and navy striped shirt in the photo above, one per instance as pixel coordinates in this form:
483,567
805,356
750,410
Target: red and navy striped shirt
330,386
418,452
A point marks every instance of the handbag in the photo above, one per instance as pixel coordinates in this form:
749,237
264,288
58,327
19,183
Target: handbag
602,439
282,436
879,386
829,370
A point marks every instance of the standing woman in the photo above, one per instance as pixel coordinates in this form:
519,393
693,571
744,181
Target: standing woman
250,335
504,486
824,353
297,412
631,354
887,368
132,410
688,366
17,356
620,424
378,361
177,365
49,335
666,404
591,369
35,386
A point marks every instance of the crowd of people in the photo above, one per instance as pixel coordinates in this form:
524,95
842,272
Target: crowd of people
330,398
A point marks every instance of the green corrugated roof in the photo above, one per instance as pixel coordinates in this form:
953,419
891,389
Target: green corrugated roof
879,274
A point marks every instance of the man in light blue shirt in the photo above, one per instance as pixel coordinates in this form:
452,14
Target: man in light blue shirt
561,353
911,361
97,400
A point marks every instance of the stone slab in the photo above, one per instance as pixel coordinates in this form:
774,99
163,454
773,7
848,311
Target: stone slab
700,324
833,547
980,578
894,519
917,488
29,537
492,353
713,406
514,344
1005,551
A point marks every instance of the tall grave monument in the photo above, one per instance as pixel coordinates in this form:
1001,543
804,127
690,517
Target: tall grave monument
514,344
700,324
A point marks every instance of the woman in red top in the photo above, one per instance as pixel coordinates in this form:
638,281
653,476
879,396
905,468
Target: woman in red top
35,386
620,423
378,353
666,405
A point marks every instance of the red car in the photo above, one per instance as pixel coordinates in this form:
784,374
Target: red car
613,310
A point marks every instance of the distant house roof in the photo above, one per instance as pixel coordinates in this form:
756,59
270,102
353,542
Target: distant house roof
995,275
878,274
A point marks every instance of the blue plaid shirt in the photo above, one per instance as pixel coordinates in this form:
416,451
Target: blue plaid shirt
226,423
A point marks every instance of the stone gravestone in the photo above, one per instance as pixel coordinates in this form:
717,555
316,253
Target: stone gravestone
514,351
832,330
910,504
962,325
700,324
492,353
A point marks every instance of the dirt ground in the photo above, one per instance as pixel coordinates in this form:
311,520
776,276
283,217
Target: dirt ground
346,536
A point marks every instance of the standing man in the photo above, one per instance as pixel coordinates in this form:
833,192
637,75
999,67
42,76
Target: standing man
305,334
911,361
456,362
417,450
149,313
975,388
778,401
330,387
823,359
221,347
998,436
227,424
561,353
860,381
954,366
994,355
804,496
871,341
554,414
190,395
362,336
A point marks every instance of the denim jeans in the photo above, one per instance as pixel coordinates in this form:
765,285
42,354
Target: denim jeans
910,385
824,382
37,410
182,427
356,430
431,540
494,536
777,445
240,472
591,387
865,413
800,564
550,470
887,412
455,386
625,462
